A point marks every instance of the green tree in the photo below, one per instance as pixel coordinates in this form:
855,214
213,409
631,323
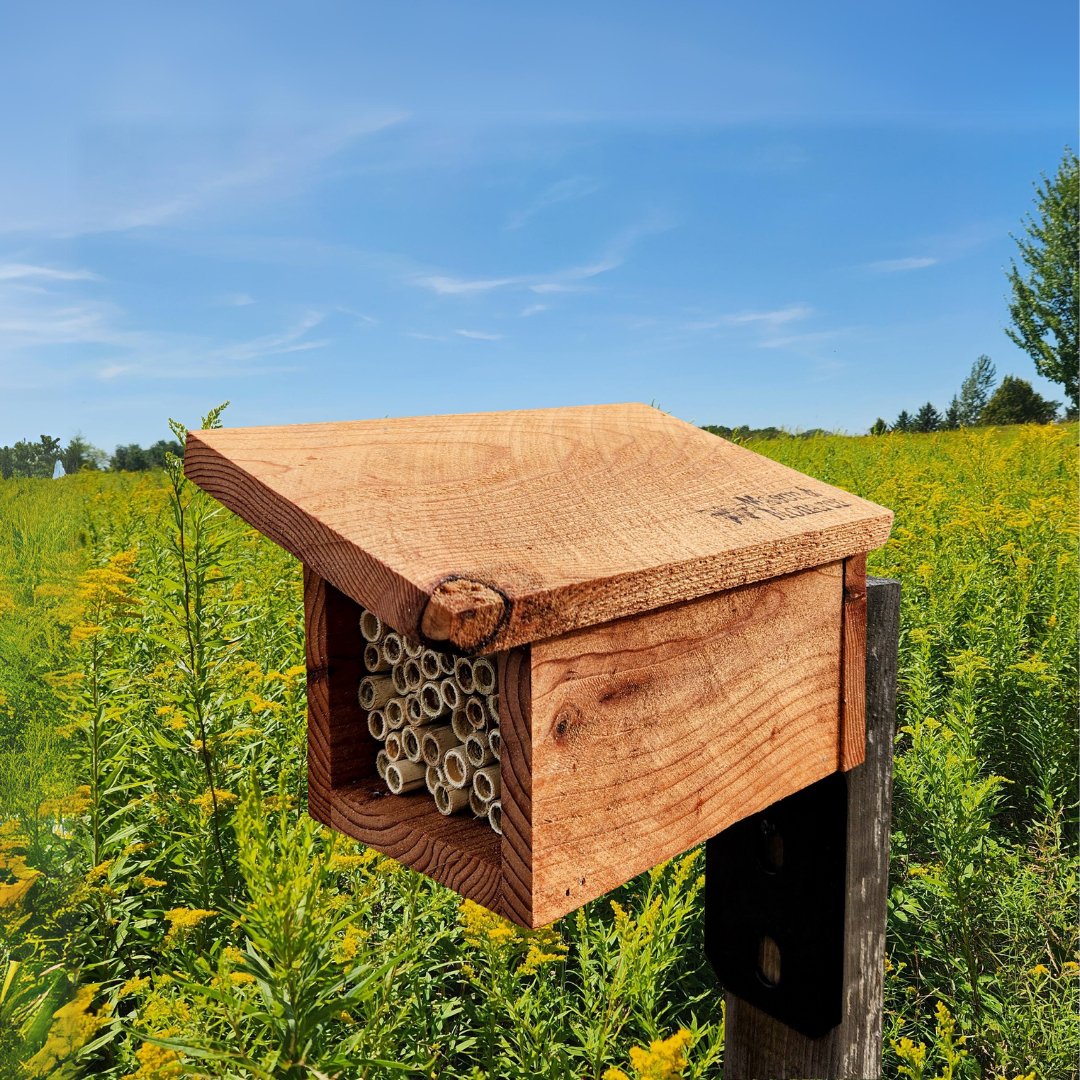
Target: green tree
951,420
927,418
79,454
975,391
1015,402
903,421
130,458
880,427
1046,291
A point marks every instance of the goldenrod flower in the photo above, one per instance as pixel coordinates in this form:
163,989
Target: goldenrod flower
205,801
183,919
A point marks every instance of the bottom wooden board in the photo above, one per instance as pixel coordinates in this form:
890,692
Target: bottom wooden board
459,852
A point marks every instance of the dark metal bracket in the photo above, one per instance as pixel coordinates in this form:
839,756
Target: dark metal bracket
774,907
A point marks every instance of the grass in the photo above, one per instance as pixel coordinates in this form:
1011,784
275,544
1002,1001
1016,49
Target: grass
167,909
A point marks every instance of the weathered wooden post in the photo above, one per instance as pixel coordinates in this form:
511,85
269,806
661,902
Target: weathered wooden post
677,626
827,1022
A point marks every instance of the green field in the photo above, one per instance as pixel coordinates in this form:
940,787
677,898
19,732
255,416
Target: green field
167,909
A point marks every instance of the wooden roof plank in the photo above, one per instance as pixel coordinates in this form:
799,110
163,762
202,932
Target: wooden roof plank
488,530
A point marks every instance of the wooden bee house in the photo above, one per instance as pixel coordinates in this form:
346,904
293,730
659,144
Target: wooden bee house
677,623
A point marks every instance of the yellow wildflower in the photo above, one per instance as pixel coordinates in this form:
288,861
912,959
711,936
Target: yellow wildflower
205,801
536,958
913,1055
72,1027
15,866
1039,969
134,986
343,863
156,1061
480,925
665,1059
148,882
99,871
183,919
1070,967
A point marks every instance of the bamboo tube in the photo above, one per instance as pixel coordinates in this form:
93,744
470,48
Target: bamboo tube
495,816
382,759
431,779
477,750
446,663
371,627
410,743
394,750
414,677
492,703
450,800
392,648
413,709
476,713
488,782
376,724
451,695
495,743
412,648
434,743
402,776
457,767
440,774
429,665
375,691
400,685
485,679
431,699
394,711
373,659
460,723
463,673
478,806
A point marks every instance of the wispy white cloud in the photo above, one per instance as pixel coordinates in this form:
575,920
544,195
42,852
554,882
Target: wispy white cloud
567,280
557,287
142,179
15,271
479,335
896,266
793,341
445,285
767,320
237,299
532,309
569,190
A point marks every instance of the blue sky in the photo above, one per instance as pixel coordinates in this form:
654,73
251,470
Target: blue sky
786,213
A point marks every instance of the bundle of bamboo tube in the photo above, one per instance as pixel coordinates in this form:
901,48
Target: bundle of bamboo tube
437,718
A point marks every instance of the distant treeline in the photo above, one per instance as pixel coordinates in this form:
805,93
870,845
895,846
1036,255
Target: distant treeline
741,434
1013,402
39,458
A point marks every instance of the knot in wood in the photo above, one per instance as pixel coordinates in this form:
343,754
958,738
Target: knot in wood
464,613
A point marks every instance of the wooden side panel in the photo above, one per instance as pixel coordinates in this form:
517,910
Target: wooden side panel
515,704
853,665
653,733
339,747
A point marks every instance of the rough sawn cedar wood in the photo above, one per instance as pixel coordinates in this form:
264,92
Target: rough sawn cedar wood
491,530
